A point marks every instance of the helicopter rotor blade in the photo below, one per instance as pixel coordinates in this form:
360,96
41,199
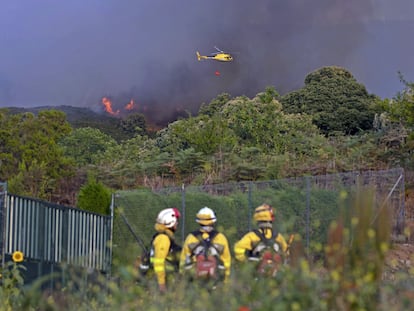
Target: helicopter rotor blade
218,49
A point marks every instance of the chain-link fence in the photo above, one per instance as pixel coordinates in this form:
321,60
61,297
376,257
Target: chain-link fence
305,205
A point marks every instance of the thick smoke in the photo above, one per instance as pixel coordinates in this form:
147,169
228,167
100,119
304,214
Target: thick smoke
76,52
274,43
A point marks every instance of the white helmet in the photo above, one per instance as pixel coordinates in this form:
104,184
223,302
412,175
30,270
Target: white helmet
168,217
206,216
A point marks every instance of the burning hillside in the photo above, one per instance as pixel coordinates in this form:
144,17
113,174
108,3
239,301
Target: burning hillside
155,115
124,110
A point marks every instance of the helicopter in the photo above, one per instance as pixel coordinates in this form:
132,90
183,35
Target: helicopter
220,56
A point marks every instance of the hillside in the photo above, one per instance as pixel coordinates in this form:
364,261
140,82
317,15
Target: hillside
80,117
76,116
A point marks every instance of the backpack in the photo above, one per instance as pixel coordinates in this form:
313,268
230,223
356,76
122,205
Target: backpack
266,254
146,263
206,253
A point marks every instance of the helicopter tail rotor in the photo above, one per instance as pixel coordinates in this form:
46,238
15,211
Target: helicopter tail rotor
198,56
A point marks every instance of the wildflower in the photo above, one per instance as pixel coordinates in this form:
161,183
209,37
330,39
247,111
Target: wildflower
371,233
335,275
17,256
384,247
351,297
295,306
354,221
369,277
305,266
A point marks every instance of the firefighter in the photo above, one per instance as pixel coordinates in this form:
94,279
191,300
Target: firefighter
206,251
165,252
254,243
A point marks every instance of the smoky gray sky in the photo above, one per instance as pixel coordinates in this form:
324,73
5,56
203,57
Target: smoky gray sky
75,52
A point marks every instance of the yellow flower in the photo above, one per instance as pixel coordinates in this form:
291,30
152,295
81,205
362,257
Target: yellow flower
335,275
295,306
371,233
17,256
305,266
384,247
351,297
354,221
369,277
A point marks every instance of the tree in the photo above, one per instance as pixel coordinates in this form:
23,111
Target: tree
126,164
94,197
32,160
401,108
335,100
263,124
205,134
215,105
237,136
86,145
9,145
269,95
134,124
395,124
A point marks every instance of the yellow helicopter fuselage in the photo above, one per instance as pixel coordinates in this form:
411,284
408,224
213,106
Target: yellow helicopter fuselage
221,57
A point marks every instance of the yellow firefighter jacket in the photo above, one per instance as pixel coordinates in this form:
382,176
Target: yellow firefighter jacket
251,239
165,256
219,242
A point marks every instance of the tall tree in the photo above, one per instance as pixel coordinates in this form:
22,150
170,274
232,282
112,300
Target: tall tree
86,145
335,100
134,124
396,125
215,105
260,122
34,163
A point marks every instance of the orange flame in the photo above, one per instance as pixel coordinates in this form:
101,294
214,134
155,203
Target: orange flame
130,105
108,106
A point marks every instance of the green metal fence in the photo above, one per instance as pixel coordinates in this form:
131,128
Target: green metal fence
51,236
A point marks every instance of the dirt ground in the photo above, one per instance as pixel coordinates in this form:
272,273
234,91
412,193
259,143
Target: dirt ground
401,255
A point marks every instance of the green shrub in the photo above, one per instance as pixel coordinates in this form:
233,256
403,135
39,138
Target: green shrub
94,197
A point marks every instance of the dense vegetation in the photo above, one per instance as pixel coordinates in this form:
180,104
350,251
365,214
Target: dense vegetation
335,100
330,125
352,278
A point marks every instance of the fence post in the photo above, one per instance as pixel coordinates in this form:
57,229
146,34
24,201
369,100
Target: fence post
401,218
111,240
307,178
3,194
65,235
250,205
183,213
